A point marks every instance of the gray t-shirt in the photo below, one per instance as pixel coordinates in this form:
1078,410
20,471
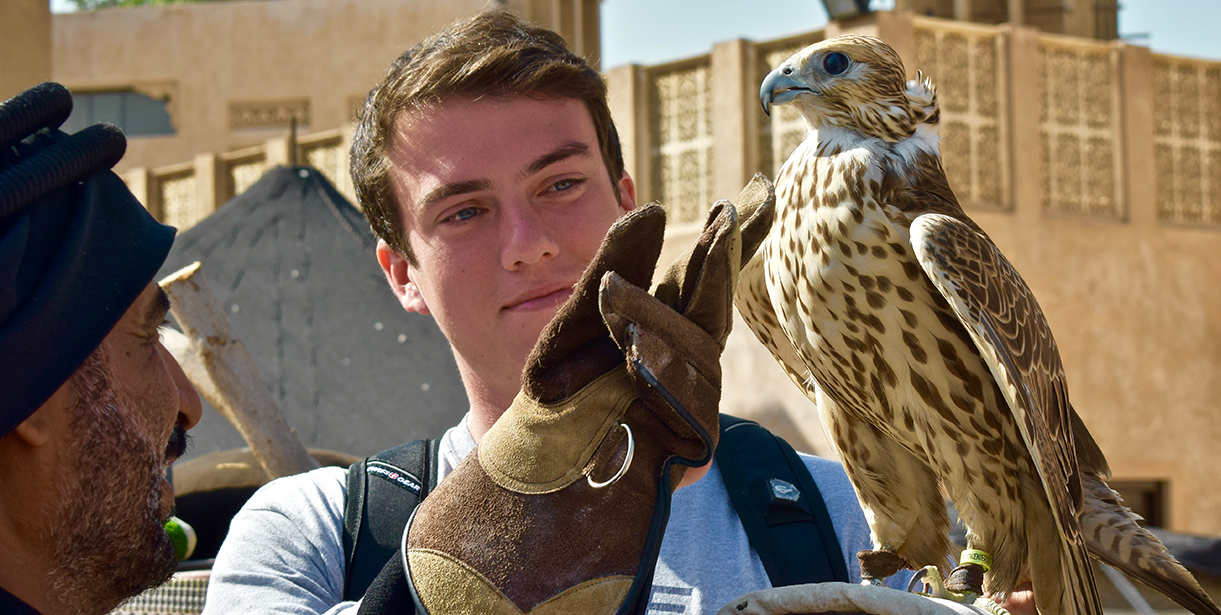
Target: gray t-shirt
284,551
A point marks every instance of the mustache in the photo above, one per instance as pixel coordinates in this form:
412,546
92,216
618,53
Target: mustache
179,442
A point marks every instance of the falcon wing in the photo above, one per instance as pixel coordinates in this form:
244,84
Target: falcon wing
1012,335
755,305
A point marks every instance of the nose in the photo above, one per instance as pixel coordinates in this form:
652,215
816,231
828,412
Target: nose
190,409
527,236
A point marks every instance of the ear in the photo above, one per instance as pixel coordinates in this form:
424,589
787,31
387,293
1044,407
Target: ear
627,193
398,275
37,429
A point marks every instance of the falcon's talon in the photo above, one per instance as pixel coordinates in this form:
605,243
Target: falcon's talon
938,587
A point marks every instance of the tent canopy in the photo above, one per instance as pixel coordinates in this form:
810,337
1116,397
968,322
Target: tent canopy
292,263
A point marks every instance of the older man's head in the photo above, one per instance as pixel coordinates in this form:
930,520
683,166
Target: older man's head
93,409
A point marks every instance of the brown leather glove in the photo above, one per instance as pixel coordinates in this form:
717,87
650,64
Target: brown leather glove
563,506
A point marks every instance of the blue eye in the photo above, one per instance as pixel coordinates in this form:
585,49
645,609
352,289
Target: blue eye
465,214
835,63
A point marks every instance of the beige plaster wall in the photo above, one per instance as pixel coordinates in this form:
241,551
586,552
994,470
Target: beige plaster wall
205,56
25,45
1136,311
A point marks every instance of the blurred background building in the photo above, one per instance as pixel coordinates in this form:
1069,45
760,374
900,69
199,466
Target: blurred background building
1094,164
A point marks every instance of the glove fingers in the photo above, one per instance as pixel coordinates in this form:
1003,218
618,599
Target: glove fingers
691,285
756,206
676,365
709,299
675,286
693,282
573,349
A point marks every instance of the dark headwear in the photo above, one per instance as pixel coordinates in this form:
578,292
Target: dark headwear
76,248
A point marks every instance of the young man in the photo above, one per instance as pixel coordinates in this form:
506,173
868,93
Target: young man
487,163
93,409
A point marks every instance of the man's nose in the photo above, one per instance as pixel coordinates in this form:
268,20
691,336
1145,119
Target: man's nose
190,409
528,238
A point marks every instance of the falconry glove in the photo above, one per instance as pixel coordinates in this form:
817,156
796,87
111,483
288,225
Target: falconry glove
838,597
563,505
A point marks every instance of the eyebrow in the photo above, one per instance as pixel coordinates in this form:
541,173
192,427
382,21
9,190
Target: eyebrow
445,191
563,152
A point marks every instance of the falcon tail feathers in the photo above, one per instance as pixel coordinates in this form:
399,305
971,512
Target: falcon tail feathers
1112,534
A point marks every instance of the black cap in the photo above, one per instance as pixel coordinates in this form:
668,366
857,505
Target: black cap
76,248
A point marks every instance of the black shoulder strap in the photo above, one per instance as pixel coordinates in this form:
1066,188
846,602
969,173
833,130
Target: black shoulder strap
392,482
779,504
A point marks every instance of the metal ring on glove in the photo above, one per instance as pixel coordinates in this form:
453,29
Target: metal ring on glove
627,461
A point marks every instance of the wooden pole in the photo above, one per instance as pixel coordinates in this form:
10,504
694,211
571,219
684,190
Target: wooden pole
221,369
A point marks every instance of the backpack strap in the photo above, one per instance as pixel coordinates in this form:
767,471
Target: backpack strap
779,504
392,482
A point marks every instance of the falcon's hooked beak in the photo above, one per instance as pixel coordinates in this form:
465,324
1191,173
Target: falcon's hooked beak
781,86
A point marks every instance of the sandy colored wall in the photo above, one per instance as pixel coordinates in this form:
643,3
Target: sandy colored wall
26,34
275,54
206,56
1136,311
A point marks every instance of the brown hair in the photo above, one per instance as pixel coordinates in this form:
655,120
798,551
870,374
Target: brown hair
493,53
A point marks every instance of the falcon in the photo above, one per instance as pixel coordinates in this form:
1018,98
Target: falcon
932,365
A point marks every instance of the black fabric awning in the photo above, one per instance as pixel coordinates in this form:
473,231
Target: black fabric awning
292,263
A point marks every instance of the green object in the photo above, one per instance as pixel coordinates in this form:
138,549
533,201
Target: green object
975,556
183,537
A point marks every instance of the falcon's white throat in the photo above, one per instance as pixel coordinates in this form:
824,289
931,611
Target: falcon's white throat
925,140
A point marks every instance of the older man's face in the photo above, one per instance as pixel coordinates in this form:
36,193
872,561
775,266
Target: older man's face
133,405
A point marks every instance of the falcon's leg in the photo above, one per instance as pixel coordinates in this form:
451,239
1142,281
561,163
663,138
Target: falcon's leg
899,494
967,579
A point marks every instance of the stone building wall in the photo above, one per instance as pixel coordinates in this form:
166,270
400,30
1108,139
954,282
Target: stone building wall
25,42
234,73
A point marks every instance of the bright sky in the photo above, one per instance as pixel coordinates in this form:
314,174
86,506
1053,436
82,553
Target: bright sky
654,31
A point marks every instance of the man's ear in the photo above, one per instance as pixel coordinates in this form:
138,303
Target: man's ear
36,429
398,275
627,192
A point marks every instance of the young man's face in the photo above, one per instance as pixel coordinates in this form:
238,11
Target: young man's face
504,203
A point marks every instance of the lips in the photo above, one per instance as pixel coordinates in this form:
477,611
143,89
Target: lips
540,298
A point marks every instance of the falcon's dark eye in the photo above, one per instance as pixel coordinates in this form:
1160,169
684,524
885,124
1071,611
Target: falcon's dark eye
835,63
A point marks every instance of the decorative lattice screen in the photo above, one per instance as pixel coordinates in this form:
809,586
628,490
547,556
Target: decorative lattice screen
681,115
1187,140
178,206
1078,121
243,174
328,158
964,66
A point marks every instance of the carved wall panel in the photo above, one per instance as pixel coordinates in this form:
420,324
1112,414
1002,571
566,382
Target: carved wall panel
243,174
268,113
964,65
178,204
1079,128
329,159
681,131
1187,140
